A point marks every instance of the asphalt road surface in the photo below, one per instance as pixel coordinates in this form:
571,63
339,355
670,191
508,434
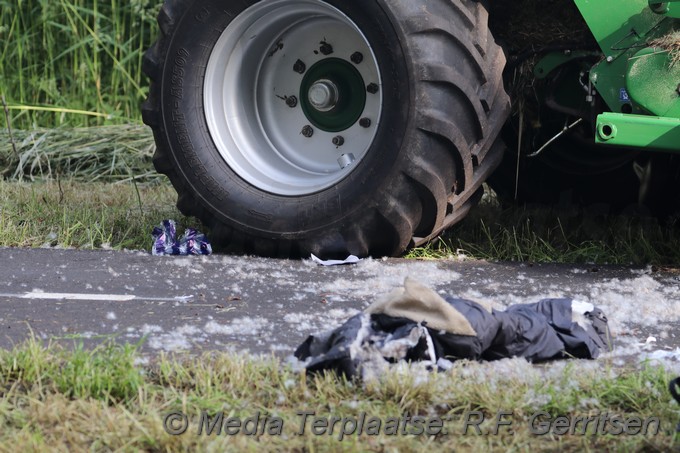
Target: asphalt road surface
196,304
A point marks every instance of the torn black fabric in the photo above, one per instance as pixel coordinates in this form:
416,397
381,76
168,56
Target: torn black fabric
541,331
578,341
332,350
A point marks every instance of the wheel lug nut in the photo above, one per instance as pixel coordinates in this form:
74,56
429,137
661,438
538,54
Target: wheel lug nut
307,131
338,141
291,101
365,122
325,48
300,67
357,57
372,88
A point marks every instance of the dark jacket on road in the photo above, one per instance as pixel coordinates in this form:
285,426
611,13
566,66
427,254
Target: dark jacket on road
416,324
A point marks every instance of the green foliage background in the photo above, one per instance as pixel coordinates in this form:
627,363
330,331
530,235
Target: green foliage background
74,62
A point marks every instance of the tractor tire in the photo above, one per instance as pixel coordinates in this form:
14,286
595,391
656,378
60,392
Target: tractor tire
331,127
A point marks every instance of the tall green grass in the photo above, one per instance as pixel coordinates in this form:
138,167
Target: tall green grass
74,62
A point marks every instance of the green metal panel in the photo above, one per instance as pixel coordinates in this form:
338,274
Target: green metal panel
653,82
665,8
618,24
621,27
639,131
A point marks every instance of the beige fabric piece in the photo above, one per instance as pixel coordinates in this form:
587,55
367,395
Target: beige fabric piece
419,303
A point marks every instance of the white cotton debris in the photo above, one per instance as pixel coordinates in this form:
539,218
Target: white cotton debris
325,320
670,360
149,329
280,348
420,372
578,313
581,307
646,271
111,316
665,355
237,327
181,339
643,301
141,361
184,262
373,278
398,349
296,365
113,272
589,403
302,321
537,400
444,364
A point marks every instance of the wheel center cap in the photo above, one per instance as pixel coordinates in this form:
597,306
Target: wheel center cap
323,95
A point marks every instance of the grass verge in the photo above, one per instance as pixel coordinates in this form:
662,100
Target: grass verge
74,399
84,215
568,234
121,215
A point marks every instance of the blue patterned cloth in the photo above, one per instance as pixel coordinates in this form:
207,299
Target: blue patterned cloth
165,242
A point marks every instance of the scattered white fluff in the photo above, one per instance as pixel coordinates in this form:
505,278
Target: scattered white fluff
372,278
664,355
149,329
639,298
238,326
181,339
581,307
323,320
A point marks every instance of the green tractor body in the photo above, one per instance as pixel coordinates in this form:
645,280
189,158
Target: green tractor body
638,80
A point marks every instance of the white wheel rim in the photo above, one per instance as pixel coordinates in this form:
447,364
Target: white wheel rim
251,77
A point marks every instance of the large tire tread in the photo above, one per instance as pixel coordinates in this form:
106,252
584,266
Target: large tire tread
460,107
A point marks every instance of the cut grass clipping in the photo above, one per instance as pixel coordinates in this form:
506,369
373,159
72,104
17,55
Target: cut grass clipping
76,399
104,153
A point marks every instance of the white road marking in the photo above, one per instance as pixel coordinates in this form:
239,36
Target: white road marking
92,297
